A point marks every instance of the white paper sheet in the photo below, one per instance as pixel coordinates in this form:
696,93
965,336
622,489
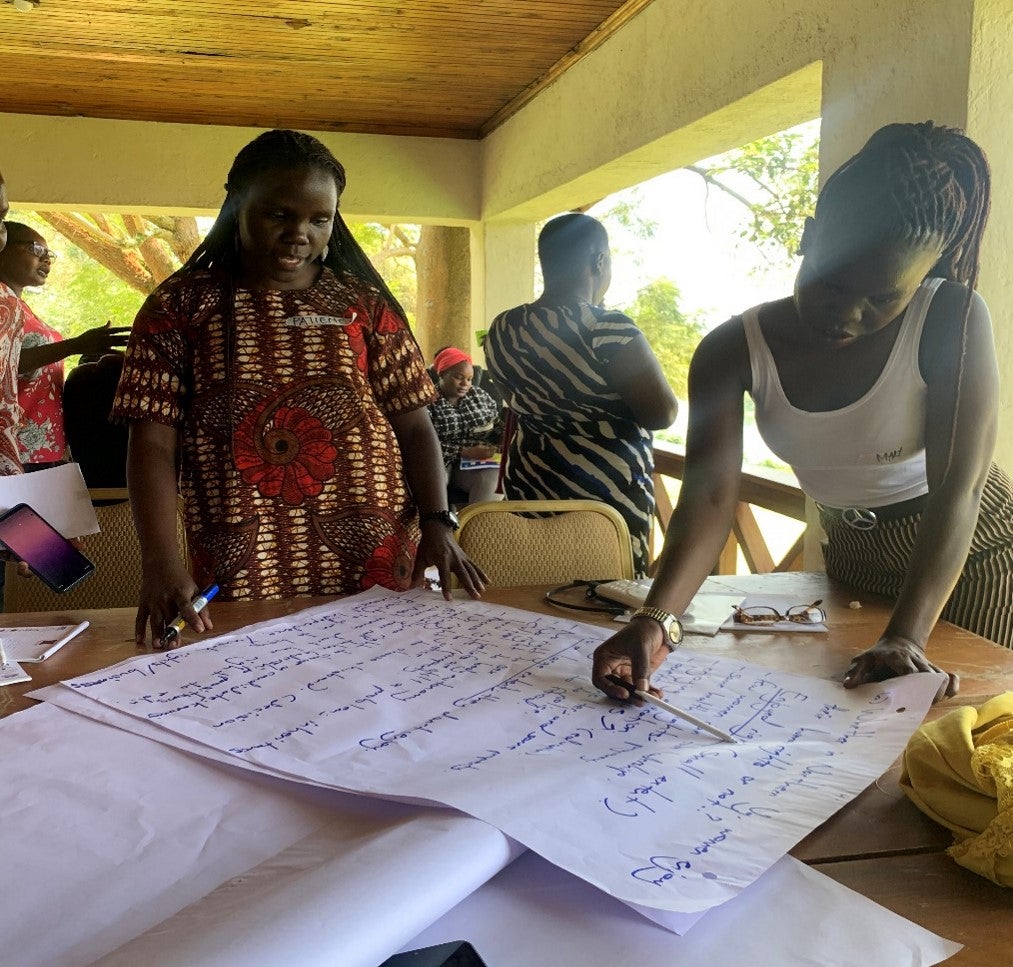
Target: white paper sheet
37,643
534,913
58,494
489,710
111,834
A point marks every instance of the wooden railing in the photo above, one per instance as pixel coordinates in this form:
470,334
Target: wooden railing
754,491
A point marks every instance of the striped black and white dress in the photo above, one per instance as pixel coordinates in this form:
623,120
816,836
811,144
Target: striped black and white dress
576,438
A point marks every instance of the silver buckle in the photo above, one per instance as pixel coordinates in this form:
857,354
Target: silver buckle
859,518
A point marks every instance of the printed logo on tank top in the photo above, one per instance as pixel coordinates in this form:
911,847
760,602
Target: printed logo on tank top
307,322
891,456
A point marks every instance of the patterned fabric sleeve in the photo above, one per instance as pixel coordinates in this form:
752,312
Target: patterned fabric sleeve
155,383
464,425
397,371
612,331
10,352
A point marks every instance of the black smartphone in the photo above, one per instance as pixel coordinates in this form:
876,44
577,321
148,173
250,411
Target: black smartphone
48,554
458,953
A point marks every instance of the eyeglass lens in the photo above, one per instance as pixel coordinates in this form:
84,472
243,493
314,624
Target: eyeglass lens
799,613
40,251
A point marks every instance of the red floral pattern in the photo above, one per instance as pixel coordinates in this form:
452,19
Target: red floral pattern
290,469
289,455
390,565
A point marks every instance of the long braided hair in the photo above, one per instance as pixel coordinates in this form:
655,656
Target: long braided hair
918,183
283,149
923,184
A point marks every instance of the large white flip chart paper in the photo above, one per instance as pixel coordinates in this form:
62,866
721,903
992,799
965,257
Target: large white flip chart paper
490,710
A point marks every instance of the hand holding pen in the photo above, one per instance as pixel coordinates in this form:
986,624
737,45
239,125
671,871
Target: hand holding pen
636,693
197,605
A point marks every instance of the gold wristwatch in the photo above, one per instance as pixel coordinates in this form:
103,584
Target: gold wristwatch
670,624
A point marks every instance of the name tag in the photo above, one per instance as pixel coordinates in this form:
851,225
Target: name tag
306,322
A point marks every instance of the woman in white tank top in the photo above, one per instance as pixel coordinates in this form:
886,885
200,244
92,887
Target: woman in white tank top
877,380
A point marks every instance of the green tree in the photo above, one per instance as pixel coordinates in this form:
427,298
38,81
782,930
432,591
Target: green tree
776,180
392,250
672,335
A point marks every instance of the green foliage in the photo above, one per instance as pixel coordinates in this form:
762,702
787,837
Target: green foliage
80,293
626,212
672,335
391,249
776,179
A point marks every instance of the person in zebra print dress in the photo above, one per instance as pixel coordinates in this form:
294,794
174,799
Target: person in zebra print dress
877,382
583,384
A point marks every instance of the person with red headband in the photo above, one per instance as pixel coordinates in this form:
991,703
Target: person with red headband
464,417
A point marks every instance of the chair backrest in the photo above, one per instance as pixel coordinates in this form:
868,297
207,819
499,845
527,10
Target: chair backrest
515,544
115,553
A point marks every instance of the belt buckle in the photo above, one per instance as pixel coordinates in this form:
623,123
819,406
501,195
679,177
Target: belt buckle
859,518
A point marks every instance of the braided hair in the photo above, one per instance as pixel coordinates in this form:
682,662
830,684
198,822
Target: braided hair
283,149
924,184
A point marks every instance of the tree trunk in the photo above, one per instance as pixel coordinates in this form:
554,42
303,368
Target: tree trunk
443,271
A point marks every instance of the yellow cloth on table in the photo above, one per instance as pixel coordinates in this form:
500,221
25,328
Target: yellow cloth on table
959,771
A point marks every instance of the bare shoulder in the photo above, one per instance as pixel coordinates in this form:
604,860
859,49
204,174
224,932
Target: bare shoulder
723,356
946,338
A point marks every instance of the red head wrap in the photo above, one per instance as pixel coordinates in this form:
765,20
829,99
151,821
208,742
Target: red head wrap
449,357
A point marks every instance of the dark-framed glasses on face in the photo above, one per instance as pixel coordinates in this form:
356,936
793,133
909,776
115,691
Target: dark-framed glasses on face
803,614
39,250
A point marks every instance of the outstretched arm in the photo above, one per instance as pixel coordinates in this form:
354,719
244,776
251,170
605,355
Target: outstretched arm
718,377
960,433
97,341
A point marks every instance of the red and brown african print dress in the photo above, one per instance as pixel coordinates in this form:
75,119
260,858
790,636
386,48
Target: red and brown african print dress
291,474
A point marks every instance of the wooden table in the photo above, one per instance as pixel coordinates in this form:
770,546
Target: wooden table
879,844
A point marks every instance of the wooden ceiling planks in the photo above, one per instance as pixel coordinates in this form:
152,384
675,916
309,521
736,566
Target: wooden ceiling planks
416,67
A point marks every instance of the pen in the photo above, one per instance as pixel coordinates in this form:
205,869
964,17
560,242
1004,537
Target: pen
3,655
671,709
174,627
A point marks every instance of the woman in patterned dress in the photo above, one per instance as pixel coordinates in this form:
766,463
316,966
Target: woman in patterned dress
26,261
465,418
276,378
583,383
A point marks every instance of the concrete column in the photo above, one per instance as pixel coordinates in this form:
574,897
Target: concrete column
989,109
503,270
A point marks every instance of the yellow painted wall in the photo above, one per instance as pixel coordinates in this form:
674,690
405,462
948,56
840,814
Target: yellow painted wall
677,66
990,110
88,163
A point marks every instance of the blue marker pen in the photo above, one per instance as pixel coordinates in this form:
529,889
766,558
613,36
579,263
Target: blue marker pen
174,627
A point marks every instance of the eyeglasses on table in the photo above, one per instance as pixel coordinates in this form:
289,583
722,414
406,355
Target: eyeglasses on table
803,614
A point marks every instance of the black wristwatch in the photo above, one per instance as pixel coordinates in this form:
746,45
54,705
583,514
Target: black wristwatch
446,517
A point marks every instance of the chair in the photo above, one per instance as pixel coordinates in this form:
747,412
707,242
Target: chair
579,540
115,553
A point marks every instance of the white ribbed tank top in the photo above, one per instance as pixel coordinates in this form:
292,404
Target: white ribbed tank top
868,454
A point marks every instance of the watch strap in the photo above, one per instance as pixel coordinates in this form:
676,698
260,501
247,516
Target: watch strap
670,624
445,517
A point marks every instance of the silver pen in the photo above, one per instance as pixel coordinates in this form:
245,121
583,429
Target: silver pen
673,710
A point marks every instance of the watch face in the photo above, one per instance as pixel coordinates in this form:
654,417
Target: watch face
452,517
